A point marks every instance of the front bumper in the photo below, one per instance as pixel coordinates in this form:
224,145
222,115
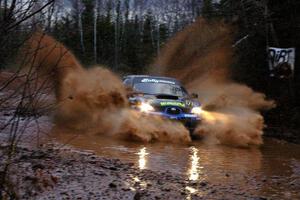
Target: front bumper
189,120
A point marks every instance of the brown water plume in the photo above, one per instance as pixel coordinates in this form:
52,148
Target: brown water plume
93,101
47,61
200,56
199,49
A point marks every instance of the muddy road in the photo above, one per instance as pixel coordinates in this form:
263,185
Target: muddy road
271,171
91,166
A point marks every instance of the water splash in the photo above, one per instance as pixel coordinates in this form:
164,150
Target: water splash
200,56
93,100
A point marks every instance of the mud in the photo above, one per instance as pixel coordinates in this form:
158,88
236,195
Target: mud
96,103
56,172
249,169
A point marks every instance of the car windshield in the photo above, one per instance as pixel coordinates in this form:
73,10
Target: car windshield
160,88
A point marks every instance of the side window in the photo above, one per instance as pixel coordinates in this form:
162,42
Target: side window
185,92
128,85
127,82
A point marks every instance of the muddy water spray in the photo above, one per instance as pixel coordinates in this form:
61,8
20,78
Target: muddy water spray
200,57
93,101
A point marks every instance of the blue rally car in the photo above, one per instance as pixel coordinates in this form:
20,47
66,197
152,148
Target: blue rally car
163,96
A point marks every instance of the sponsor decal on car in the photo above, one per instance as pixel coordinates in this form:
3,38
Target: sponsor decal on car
147,80
190,115
188,103
170,103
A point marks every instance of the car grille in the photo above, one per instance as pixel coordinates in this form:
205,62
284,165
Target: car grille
173,110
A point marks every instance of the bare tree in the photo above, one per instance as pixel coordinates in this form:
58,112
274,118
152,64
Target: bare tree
96,13
78,8
21,93
117,33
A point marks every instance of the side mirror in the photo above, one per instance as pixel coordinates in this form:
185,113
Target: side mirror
194,95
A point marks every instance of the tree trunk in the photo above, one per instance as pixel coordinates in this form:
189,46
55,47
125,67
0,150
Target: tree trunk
49,17
95,30
117,35
80,26
158,38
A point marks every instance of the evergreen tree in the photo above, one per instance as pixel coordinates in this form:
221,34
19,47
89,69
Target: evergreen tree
87,25
207,9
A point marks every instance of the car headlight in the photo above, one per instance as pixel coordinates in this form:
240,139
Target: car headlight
197,110
145,107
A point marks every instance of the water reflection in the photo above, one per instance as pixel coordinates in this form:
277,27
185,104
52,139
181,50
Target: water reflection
191,191
142,158
137,180
195,167
215,163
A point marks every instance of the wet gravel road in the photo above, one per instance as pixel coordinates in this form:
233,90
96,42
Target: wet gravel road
55,172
